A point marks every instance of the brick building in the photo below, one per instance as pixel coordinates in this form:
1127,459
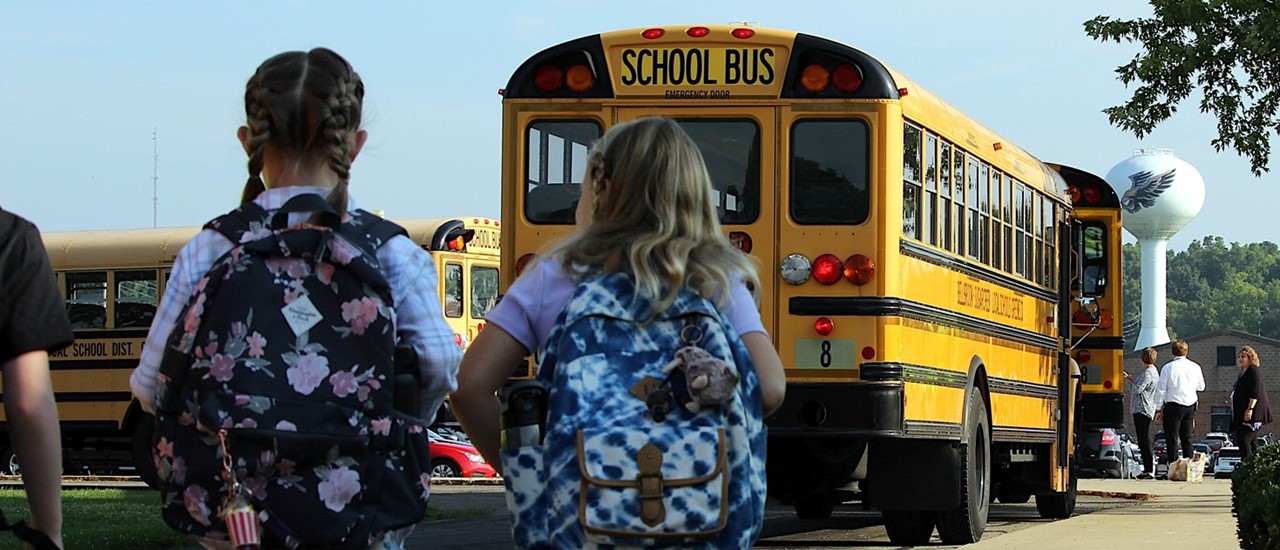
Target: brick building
1216,354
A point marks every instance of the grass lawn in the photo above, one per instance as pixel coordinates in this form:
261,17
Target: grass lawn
101,519
122,519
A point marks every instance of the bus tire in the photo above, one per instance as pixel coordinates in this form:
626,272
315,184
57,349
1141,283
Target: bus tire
143,460
908,527
1056,505
965,523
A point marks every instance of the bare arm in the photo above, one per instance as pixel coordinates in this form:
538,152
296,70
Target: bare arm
487,365
33,419
773,380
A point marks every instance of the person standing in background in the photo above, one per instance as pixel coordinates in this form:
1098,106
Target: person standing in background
1142,404
1250,408
1177,395
33,321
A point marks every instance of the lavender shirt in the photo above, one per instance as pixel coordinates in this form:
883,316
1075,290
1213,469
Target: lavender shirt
530,308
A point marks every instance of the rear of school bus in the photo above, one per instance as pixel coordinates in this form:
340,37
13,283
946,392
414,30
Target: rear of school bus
803,139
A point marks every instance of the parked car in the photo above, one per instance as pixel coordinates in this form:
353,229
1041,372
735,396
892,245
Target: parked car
1228,457
1101,452
1158,446
1208,454
453,458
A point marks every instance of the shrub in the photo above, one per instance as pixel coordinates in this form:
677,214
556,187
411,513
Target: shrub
1255,499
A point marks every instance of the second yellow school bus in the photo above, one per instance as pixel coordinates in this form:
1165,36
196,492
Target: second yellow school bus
112,282
916,268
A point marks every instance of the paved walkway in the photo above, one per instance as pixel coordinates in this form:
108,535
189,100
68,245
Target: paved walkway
1181,515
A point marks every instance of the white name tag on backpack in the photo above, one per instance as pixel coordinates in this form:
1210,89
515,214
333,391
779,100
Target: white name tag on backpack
301,315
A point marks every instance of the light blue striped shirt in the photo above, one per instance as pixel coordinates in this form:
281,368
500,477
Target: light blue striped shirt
410,272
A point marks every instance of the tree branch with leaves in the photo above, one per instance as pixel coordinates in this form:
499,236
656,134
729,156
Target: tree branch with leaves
1229,49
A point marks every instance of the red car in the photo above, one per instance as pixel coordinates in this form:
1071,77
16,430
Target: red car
455,457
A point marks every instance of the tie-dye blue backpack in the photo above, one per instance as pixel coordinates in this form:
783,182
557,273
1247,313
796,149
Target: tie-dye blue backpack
636,453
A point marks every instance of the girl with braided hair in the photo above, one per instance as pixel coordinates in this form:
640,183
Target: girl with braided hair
301,135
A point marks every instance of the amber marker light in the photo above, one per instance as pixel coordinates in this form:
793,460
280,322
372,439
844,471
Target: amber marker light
815,78
580,78
859,269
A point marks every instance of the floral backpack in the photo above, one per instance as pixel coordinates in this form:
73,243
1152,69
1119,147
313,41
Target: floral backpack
277,390
635,452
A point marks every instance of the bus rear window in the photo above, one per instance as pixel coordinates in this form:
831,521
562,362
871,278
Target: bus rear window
829,172
556,161
731,150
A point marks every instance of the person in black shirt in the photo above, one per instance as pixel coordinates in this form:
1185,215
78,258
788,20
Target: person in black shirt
1250,408
33,321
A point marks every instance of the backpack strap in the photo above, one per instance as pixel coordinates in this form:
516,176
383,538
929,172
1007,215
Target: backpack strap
234,224
378,229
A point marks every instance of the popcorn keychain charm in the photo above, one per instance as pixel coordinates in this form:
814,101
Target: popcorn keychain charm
242,521
237,511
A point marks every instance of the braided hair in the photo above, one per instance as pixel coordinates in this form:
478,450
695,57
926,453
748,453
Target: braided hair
306,106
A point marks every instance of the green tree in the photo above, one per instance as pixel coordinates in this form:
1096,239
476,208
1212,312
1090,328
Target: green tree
1225,48
1212,285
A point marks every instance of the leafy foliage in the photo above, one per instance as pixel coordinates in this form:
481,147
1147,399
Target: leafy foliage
1212,286
1226,48
1255,499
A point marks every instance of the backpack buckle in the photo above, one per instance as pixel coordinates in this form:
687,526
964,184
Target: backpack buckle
649,484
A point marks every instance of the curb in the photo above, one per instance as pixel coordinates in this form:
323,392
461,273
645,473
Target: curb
1118,494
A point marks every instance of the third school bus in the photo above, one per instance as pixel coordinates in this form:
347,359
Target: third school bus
917,270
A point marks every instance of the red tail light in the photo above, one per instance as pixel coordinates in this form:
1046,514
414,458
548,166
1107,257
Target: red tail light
823,326
457,339
827,269
548,78
847,78
1083,356
859,269
522,263
1108,438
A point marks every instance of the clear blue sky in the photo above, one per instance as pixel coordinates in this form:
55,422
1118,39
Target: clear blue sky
83,86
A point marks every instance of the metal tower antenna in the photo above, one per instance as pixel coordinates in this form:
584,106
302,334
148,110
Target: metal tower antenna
155,176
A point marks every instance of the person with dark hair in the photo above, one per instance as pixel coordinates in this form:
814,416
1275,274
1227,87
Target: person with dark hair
1142,393
1250,408
33,322
1177,395
302,134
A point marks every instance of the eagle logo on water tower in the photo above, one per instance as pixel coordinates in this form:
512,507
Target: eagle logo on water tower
1147,187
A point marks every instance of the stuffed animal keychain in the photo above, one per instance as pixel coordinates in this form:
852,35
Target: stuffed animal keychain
709,380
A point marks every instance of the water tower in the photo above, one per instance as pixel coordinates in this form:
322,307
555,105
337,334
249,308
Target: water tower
1159,193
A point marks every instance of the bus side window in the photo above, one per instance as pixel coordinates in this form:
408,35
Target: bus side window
135,301
484,290
87,299
452,290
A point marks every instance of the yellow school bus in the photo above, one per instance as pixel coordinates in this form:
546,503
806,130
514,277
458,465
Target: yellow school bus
916,268
466,252
112,282
1100,345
